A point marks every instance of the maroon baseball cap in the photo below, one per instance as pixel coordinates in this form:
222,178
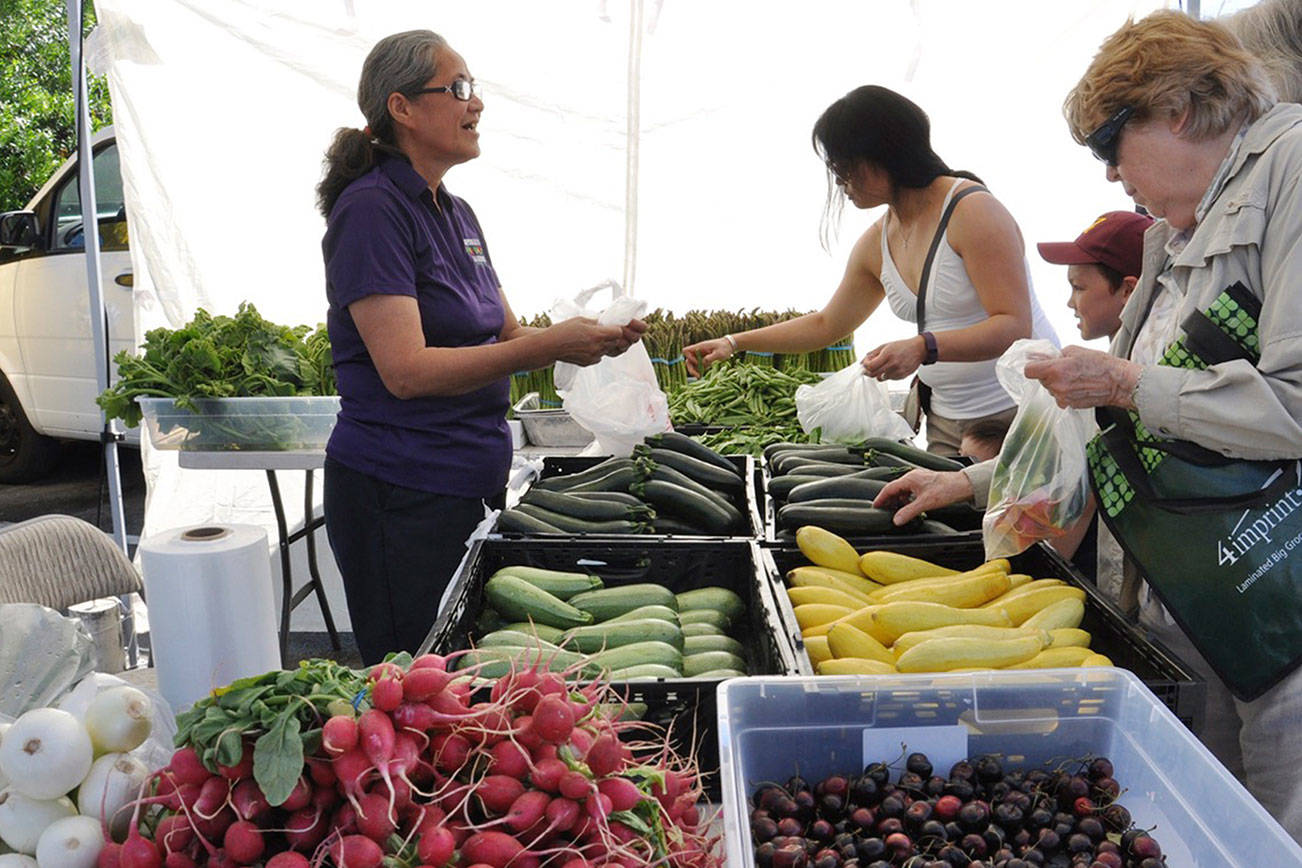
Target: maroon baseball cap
1116,240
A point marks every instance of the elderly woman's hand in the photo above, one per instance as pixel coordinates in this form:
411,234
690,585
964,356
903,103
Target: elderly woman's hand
1083,379
920,490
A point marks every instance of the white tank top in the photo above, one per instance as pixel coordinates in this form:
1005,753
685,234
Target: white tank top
960,390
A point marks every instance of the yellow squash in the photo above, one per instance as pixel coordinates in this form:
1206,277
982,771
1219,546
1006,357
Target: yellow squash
1067,612
827,549
1096,660
958,652
963,591
817,649
822,577
969,631
890,567
1064,637
814,614
1056,658
854,666
802,596
893,620
1020,609
847,640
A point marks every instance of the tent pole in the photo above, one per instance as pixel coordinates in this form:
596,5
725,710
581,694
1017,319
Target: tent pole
633,133
109,436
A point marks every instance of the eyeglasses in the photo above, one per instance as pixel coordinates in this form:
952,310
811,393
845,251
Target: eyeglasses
462,89
1104,140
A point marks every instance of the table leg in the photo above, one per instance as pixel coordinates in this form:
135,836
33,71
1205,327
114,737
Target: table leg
286,579
310,525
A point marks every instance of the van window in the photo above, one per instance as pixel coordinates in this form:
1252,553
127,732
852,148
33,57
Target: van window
109,204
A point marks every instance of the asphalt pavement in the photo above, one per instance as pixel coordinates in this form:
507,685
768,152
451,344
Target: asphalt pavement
78,487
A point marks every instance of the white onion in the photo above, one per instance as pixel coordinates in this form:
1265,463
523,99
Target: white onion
119,719
22,820
79,698
16,860
45,753
73,842
113,782
4,780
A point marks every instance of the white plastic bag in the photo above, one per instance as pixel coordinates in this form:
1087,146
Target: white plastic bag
618,399
849,407
1040,484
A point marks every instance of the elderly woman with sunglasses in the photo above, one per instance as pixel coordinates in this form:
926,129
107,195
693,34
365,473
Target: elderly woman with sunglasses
978,299
423,341
1186,120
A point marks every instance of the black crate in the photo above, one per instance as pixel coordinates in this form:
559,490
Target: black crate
747,503
773,536
686,703
1127,644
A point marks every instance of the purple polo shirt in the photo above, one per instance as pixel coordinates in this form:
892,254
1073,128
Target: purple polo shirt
385,235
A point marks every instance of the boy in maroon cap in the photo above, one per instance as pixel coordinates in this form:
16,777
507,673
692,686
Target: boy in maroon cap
1103,266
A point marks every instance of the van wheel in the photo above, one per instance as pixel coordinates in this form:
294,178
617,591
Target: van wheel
24,454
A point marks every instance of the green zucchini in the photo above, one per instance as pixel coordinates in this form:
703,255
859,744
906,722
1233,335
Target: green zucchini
638,652
670,526
648,469
616,480
542,631
856,489
645,672
697,644
570,524
701,628
514,639
702,471
520,600
713,617
663,613
488,620
780,486
596,471
853,520
613,634
688,505
721,674
814,467
783,461
722,600
555,582
930,525
689,446
837,502
610,603
705,661
773,449
515,521
581,508
500,660
609,497
911,454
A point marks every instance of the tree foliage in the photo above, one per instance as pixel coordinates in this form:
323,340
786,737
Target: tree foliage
37,131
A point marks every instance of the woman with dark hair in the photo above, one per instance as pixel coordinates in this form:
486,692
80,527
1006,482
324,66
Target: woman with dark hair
977,299
423,343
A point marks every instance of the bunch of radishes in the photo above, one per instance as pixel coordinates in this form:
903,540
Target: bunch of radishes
47,754
441,770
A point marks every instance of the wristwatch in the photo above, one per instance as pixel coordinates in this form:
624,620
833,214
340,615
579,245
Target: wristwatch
933,352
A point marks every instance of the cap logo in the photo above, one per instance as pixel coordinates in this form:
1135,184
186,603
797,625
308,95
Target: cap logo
1102,219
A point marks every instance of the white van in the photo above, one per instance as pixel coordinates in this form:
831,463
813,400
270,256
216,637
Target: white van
47,356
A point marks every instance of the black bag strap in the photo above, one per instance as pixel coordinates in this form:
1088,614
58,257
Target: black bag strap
935,245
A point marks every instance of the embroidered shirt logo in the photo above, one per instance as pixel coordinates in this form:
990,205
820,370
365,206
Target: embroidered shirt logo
475,250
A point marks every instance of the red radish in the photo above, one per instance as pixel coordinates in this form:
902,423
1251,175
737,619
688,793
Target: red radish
321,771
415,715
577,863
386,694
597,806
604,755
623,793
299,797
450,752
176,860
243,842
221,859
544,752
305,829
581,739
324,799
288,859
174,833
495,849
242,769
187,768
436,846
110,856
373,818
138,852
356,851
451,702
562,814
384,670
249,802
497,792
214,827
429,661
574,785
690,816
527,810
524,733
344,820
509,759
339,734
212,797
353,769
547,774
421,684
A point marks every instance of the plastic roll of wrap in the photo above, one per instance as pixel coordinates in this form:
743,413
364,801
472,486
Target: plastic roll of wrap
212,615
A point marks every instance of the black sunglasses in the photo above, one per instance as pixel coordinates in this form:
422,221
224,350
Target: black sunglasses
1104,140
461,89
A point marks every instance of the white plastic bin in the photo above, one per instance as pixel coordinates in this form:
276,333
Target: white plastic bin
772,728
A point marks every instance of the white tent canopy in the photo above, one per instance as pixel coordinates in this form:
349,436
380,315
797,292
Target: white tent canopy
223,109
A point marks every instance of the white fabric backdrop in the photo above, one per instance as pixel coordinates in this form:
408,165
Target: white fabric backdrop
224,107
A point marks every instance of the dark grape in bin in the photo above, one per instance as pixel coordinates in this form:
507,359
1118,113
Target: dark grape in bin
680,565
1170,678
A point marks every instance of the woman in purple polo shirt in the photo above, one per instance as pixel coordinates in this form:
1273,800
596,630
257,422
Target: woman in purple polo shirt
423,342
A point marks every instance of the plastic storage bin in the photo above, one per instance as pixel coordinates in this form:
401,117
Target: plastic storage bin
549,427
1166,675
241,424
772,728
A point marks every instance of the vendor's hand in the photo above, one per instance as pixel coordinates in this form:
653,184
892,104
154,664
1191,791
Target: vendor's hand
896,360
582,341
920,490
1083,378
700,356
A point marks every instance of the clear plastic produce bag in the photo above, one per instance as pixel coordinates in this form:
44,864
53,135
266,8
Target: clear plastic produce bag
849,407
1040,484
618,399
